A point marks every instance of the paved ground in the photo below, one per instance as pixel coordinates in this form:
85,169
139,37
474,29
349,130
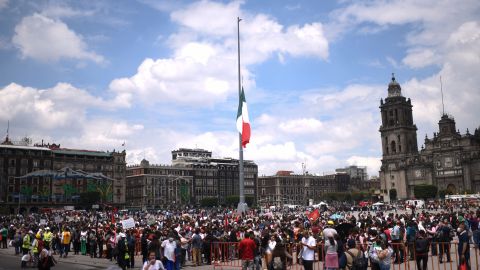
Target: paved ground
8,261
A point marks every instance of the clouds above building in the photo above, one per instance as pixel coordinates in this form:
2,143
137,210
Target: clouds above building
163,76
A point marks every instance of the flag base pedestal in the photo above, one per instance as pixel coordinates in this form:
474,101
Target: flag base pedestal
242,208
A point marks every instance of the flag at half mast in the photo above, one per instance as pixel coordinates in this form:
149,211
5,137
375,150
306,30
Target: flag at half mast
243,123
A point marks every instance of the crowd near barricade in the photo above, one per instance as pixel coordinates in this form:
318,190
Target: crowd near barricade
225,255
442,235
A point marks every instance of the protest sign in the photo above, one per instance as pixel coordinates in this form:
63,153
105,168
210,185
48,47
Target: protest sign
128,223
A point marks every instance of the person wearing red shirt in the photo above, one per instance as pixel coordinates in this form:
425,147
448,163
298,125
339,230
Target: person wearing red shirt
246,250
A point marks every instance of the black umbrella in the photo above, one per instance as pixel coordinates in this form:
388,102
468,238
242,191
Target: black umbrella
344,229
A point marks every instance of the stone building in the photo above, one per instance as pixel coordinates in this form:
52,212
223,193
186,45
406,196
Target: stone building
355,171
449,160
193,176
288,188
42,190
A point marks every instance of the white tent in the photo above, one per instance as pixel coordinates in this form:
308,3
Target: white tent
378,204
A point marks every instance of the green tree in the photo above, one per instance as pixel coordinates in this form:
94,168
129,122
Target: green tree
69,190
425,191
393,194
89,197
209,202
27,191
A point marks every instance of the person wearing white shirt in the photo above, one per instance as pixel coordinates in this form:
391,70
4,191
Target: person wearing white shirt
308,254
169,252
152,263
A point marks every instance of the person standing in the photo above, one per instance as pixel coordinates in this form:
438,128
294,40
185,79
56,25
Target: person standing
463,245
331,255
152,263
354,254
66,239
92,242
397,242
83,242
385,256
197,244
47,237
444,240
309,245
37,246
421,250
131,248
184,246
246,250
4,235
26,246
411,234
76,240
17,242
123,254
100,241
144,243
169,246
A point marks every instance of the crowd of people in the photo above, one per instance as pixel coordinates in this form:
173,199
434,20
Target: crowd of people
261,239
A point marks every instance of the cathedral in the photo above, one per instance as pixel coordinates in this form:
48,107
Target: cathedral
449,160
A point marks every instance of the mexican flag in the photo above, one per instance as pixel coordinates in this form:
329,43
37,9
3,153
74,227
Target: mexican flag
243,123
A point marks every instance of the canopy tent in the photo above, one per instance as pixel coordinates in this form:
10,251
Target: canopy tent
378,204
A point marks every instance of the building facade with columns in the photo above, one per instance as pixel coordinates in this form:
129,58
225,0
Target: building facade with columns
194,175
449,160
285,187
30,175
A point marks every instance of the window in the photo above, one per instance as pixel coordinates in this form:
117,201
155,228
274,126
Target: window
393,147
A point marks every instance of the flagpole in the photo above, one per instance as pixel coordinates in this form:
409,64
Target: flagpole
241,203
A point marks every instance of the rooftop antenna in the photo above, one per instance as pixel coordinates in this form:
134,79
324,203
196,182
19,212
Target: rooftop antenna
8,128
441,91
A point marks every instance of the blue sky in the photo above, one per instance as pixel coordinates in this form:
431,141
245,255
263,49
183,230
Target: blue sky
160,75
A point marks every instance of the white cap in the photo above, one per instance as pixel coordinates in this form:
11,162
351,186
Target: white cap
122,234
47,228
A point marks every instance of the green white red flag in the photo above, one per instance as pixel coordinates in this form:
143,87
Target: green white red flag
243,123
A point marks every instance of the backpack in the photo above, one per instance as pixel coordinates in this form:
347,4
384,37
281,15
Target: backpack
359,262
277,263
421,246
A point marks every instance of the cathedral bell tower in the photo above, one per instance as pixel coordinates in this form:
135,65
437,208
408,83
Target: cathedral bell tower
399,139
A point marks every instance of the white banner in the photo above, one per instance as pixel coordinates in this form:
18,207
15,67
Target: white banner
128,223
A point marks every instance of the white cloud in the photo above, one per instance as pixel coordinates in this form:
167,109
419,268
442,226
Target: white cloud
184,80
60,107
202,70
373,163
61,10
3,4
419,58
303,125
440,33
46,39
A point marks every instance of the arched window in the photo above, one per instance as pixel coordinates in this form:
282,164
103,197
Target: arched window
393,147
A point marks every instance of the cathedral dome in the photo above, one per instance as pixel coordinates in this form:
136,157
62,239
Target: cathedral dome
394,89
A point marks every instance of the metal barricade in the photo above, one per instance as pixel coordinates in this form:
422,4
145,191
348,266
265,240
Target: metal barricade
225,255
